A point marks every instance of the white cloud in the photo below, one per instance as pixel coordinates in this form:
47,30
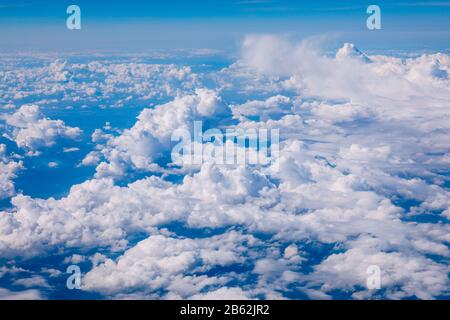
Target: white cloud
53,164
67,150
91,159
32,282
8,171
224,293
346,77
99,83
161,262
273,106
31,130
360,141
139,146
413,275
6,294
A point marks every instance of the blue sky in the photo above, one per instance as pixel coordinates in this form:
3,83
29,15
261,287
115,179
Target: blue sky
137,25
134,9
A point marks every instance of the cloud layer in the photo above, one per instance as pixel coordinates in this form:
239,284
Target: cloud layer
361,180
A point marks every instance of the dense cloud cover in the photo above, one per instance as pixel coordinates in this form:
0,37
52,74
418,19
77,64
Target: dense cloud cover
362,177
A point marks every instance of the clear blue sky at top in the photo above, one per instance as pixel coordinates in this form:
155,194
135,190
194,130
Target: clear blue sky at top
133,24
132,9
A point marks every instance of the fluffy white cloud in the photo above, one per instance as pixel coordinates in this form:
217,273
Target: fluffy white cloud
32,282
95,213
274,106
414,275
176,265
8,171
361,180
349,51
31,130
6,294
139,146
224,293
97,83
350,76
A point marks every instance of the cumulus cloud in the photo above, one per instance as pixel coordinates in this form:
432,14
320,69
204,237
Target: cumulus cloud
97,83
32,282
6,294
350,76
224,293
361,180
32,130
424,277
150,137
8,171
176,265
